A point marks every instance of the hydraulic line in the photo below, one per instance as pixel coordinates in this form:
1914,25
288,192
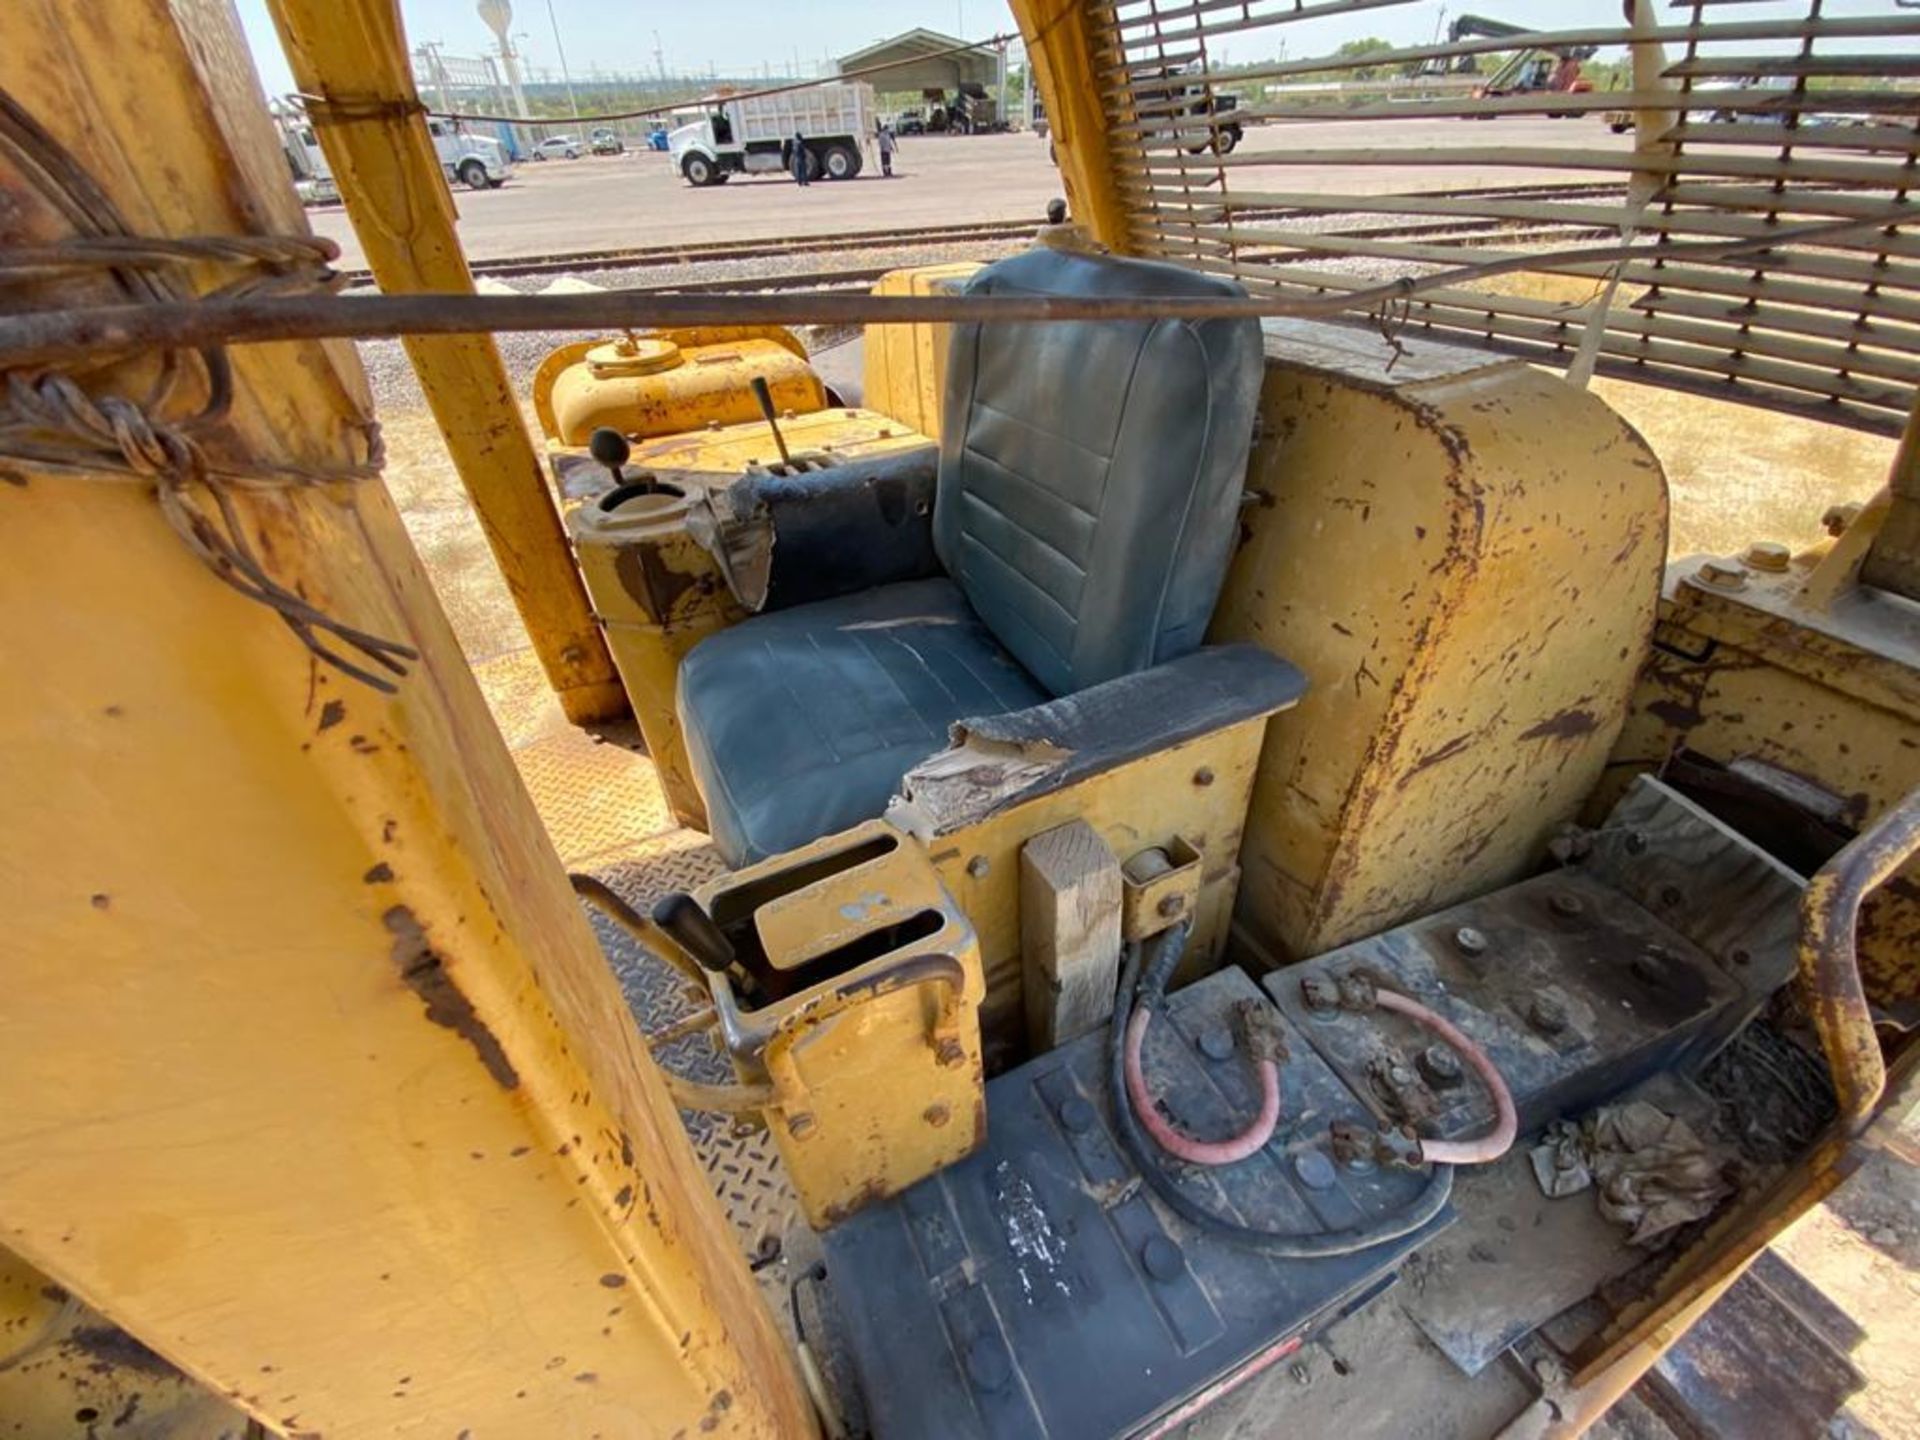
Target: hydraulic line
1497,1141
1431,1200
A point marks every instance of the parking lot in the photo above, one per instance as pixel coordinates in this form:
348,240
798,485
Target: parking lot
603,202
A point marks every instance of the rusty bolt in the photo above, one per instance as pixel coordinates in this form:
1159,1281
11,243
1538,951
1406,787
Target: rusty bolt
949,1053
1172,905
1838,518
1722,575
1636,842
1321,994
936,1115
978,866
1566,904
1203,776
1469,941
1440,1066
1547,1015
1768,555
802,1125
1352,1144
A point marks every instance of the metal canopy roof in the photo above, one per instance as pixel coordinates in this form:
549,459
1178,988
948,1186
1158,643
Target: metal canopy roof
946,72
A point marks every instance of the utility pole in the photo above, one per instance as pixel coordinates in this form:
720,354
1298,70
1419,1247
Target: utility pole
659,59
573,101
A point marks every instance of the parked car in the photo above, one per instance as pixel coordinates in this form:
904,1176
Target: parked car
605,142
558,147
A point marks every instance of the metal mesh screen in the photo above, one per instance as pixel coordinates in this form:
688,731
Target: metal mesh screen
1707,122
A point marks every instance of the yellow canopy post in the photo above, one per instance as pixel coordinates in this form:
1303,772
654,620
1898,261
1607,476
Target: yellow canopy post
349,58
312,1075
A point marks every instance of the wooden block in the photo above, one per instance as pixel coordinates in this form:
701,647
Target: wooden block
1069,933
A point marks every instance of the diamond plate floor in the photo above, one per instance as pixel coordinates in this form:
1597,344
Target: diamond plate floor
603,808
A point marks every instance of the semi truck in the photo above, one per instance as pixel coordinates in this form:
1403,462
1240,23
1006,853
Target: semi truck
476,161
754,134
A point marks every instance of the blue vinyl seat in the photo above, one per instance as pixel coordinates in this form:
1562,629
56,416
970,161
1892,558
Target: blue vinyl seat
1085,511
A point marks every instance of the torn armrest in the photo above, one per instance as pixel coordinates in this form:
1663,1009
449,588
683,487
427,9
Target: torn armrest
998,761
822,527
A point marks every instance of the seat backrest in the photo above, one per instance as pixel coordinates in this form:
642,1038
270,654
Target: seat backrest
1090,472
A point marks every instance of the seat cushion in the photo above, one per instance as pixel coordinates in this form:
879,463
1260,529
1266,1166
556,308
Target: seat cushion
801,722
1090,473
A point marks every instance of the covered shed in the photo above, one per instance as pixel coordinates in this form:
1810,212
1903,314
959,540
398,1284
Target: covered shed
925,68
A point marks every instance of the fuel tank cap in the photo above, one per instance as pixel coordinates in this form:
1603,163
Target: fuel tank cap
632,355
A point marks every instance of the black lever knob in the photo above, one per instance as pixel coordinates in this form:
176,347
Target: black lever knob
610,448
1056,212
680,915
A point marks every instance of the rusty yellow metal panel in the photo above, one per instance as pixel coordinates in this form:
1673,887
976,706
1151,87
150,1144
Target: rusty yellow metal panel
1198,790
656,591
312,1076
66,1370
725,450
669,382
1464,558
906,365
1826,693
874,1061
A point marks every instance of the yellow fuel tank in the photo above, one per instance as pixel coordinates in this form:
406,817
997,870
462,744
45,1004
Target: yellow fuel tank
663,382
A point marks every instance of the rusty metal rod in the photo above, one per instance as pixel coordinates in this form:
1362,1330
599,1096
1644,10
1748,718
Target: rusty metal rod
51,336
1829,969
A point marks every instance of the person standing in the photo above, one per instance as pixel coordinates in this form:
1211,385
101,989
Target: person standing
800,160
886,144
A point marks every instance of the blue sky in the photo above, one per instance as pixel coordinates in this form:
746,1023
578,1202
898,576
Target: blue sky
743,36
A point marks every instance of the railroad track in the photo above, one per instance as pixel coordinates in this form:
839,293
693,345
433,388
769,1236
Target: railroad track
980,232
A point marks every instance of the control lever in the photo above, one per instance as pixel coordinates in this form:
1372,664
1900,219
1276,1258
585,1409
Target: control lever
765,397
680,915
611,450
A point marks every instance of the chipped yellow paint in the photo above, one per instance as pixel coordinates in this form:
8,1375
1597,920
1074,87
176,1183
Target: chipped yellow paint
669,382
1197,790
906,365
1463,557
1827,692
875,1065
312,1075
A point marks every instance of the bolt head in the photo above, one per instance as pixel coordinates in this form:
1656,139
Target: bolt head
936,1115
1469,941
1566,904
949,1053
1203,776
1729,575
1440,1066
1172,905
1077,1115
801,1126
1547,1015
1770,556
978,866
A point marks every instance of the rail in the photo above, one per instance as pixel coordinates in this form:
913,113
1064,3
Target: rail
1829,969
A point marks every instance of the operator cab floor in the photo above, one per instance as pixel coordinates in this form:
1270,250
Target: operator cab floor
1372,1373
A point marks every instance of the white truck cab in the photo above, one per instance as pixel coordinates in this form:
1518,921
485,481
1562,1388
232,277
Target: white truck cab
753,134
475,161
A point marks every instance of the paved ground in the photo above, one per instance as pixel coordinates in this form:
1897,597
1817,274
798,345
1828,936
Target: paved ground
600,202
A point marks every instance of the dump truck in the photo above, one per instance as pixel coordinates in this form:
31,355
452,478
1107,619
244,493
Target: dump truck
1197,863
754,134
